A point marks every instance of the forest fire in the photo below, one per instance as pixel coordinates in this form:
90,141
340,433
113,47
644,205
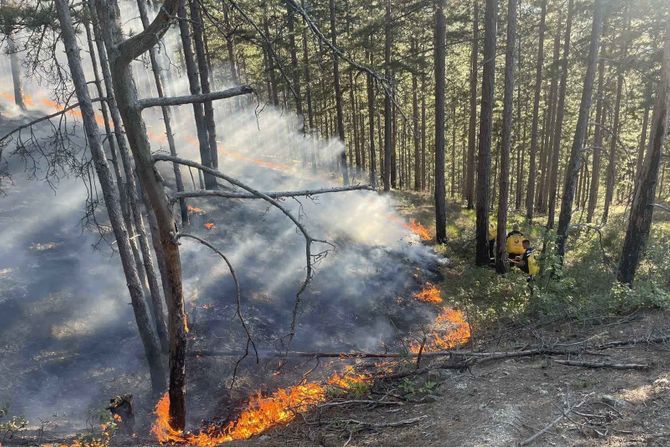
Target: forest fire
449,330
429,294
261,414
418,229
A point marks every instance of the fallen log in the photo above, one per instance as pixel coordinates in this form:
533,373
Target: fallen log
584,364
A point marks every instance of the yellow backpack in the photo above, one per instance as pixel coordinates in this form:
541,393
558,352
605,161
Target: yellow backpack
533,264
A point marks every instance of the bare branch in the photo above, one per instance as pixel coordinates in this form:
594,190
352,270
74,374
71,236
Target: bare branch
44,118
191,99
308,239
238,299
274,194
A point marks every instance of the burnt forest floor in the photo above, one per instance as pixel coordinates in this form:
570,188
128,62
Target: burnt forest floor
532,400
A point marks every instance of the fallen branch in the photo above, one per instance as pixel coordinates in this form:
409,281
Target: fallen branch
192,99
380,424
358,401
584,364
565,413
274,194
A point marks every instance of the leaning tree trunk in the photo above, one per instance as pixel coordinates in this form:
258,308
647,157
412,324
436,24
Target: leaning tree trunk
485,129
111,196
572,169
532,168
642,208
121,53
440,82
558,125
472,141
508,100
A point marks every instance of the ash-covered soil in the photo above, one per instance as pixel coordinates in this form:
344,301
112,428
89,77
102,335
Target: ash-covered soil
506,402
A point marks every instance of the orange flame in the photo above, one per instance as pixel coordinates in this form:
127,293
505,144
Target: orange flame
450,330
209,226
418,229
261,414
195,210
429,294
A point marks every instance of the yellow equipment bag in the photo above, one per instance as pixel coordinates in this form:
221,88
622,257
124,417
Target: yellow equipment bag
514,244
533,264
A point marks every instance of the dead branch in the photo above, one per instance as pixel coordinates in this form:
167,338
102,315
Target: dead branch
309,240
274,194
569,409
381,424
585,364
238,300
359,401
661,206
192,99
44,118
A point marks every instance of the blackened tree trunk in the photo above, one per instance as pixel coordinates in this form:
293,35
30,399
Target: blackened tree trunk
485,130
597,143
338,95
440,82
388,101
203,71
111,196
642,209
558,124
643,140
572,169
508,101
472,142
611,166
532,168
194,87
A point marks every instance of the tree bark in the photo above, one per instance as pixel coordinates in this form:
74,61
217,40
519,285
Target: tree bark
642,209
597,144
415,130
472,142
194,87
111,196
388,103
15,66
502,263
532,168
440,82
558,125
485,129
338,95
121,53
371,125
611,166
572,169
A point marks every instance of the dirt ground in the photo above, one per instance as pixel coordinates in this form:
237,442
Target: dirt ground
506,402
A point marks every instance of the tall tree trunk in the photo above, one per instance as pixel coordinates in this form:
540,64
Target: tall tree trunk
610,182
388,102
371,126
308,89
16,71
423,134
558,125
338,95
110,195
440,82
643,139
485,129
508,103
597,143
269,58
532,168
230,44
203,70
295,67
472,142
572,169
642,210
415,131
194,87
452,190
120,56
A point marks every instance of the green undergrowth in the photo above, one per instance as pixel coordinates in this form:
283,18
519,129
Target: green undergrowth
584,288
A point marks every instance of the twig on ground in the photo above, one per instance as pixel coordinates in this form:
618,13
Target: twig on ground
569,409
603,364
